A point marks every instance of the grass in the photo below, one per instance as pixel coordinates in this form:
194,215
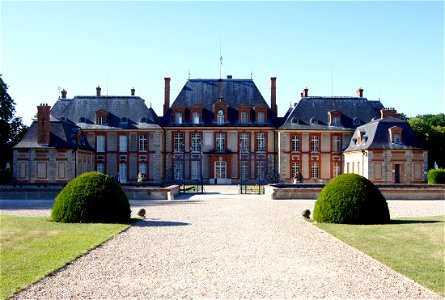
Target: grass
413,247
33,247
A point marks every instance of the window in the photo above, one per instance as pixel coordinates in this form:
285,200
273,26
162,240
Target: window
261,142
244,117
196,170
296,143
100,167
178,118
100,143
314,144
178,170
123,172
295,169
220,118
261,169
101,120
356,121
81,120
143,120
244,142
336,169
220,142
196,142
124,120
396,138
143,168
195,117
336,143
178,141
336,121
245,170
314,169
143,143
261,117
123,143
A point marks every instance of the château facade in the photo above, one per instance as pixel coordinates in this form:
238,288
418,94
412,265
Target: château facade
218,131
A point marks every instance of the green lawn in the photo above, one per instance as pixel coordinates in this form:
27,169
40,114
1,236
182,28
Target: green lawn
413,247
33,247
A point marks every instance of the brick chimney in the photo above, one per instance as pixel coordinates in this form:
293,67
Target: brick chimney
305,92
166,94
64,94
133,91
273,94
359,92
389,112
98,91
43,124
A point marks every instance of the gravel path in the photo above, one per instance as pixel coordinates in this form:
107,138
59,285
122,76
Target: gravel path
213,246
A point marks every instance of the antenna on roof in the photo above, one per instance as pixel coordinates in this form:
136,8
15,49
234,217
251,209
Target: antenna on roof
220,60
189,75
251,77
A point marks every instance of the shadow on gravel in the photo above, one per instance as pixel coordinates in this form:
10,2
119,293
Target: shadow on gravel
163,202
155,223
413,222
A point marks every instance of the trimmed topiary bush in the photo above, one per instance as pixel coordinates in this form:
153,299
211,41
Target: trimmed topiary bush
436,176
351,199
91,198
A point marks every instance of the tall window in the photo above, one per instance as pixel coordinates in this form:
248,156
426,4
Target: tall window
296,143
244,142
196,142
220,118
244,117
196,170
245,170
261,117
336,169
220,142
143,143
195,117
100,167
143,168
100,143
261,142
314,169
295,169
336,144
178,118
261,169
178,142
178,170
123,143
315,143
123,172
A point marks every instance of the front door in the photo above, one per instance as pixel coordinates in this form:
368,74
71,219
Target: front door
220,172
397,172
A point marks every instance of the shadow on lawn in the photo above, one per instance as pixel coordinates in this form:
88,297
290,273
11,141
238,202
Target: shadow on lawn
414,221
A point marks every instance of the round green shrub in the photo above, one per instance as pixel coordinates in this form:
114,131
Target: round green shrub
351,199
91,198
436,176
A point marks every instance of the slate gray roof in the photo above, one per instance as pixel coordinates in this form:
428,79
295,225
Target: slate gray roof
83,108
376,136
205,92
312,113
62,136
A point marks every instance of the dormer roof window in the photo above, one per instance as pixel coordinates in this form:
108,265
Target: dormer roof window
335,118
101,117
395,134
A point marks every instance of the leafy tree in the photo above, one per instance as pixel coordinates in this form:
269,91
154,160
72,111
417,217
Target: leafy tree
12,128
430,129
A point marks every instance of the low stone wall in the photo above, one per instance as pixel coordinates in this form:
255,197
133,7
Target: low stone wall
50,191
390,192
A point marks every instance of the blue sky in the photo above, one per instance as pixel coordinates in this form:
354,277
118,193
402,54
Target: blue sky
394,50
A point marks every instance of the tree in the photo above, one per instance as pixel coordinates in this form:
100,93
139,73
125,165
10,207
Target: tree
430,129
12,128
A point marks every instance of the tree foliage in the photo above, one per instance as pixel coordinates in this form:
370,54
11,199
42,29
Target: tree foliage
12,128
430,129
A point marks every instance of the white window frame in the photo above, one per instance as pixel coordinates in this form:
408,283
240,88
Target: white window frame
196,142
123,172
143,143
260,142
196,169
100,167
220,118
100,143
196,117
295,169
261,117
244,117
296,143
315,143
220,142
261,169
336,169
315,169
101,120
336,143
123,143
178,141
244,169
244,142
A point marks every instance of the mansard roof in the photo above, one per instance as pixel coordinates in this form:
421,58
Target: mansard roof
312,113
63,135
232,92
124,112
376,136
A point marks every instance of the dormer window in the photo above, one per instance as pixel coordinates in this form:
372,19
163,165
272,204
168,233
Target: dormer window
178,114
261,114
144,120
335,118
356,121
220,117
101,120
261,118
101,117
196,117
124,120
395,134
244,114
314,121
396,138
336,121
178,118
195,114
81,120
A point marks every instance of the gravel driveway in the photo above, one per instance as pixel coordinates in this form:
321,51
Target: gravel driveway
215,246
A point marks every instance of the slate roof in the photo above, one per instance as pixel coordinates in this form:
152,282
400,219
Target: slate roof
312,113
376,136
62,136
234,92
83,108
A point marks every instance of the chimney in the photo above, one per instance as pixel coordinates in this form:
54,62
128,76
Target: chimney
43,124
133,91
273,94
389,112
98,91
359,92
166,94
305,92
64,94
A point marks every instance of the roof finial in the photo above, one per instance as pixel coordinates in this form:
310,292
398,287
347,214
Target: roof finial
220,60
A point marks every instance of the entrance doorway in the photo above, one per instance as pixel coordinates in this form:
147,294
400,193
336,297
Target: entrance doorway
397,173
220,172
